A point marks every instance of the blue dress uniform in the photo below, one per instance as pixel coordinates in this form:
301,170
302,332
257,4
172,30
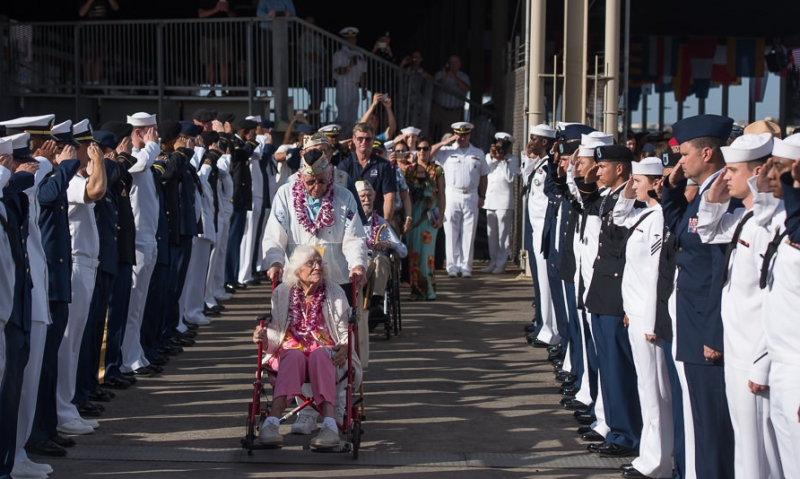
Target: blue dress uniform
242,197
699,323
18,328
54,225
604,301
106,214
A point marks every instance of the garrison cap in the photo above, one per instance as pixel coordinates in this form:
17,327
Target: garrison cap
574,131
314,163
304,128
763,126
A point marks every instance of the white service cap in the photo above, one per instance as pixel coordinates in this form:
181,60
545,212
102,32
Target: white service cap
6,146
501,135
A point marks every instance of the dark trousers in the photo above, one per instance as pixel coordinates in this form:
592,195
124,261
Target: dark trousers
179,256
528,245
557,290
117,319
18,347
620,394
45,420
575,338
679,452
238,223
591,357
256,260
713,432
92,342
153,322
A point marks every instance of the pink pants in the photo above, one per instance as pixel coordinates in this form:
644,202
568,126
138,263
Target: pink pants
296,368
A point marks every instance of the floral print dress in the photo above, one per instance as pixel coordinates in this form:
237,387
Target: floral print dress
421,238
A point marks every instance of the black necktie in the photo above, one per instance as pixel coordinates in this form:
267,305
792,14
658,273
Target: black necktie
772,248
732,246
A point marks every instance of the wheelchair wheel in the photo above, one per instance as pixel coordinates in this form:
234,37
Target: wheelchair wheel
356,436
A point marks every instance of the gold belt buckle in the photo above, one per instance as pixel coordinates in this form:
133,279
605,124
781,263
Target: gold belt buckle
465,191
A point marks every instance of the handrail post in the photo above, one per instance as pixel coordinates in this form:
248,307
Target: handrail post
160,67
251,88
280,70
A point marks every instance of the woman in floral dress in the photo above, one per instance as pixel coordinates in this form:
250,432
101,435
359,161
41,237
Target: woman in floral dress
426,188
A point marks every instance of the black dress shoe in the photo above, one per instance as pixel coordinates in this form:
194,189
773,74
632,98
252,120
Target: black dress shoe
116,383
239,285
586,419
253,282
564,401
89,410
592,436
574,405
189,334
558,363
179,341
632,472
63,441
100,395
626,467
159,360
210,312
594,447
46,448
537,343
567,384
557,354
584,429
191,326
615,450
130,377
529,328
218,307
156,368
568,391
229,288
566,377
170,351
146,372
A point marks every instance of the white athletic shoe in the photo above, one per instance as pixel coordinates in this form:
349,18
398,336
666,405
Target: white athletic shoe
269,435
76,426
326,438
90,422
304,425
22,470
39,465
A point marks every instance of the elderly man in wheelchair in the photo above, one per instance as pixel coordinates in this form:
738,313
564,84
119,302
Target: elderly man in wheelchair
381,240
306,341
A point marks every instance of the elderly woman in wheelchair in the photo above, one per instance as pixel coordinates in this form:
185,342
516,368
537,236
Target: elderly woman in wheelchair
306,340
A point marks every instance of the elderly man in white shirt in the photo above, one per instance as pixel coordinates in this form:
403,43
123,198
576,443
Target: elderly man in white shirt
499,203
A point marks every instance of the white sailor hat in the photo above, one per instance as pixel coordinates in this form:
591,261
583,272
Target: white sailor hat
748,148
788,148
256,118
142,119
597,136
348,31
411,130
83,131
543,130
34,125
587,149
6,147
648,166
331,130
501,135
462,127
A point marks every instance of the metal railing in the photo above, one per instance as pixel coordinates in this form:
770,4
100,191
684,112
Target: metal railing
285,62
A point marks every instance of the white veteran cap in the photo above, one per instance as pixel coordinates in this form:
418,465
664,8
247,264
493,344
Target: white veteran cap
362,185
501,135
543,130
410,130
748,148
142,119
788,148
648,166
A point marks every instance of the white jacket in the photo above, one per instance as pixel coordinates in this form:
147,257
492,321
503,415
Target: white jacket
500,183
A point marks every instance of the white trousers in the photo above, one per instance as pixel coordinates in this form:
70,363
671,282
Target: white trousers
83,279
655,399
460,225
756,447
784,403
584,394
30,388
549,330
498,228
600,425
347,105
262,259
215,282
192,301
132,354
688,420
248,247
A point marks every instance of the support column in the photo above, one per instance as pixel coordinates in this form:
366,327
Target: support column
476,74
538,25
783,111
751,102
575,44
661,107
725,99
680,110
701,106
611,100
644,107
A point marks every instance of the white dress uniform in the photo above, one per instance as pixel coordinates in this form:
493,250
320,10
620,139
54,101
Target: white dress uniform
248,245
347,96
6,280
499,206
276,176
144,203
215,284
639,290
192,300
343,242
40,314
85,250
534,172
463,168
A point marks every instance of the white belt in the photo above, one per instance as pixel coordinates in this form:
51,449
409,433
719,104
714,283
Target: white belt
464,191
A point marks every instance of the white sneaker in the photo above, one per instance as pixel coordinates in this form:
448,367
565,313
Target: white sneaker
499,270
22,470
37,465
304,425
90,422
488,269
269,435
76,426
326,438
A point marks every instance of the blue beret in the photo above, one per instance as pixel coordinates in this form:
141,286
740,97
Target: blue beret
106,139
304,128
574,132
188,128
613,153
699,126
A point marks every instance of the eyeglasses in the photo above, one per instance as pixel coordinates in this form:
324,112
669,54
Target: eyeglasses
315,181
424,148
362,138
401,151
311,263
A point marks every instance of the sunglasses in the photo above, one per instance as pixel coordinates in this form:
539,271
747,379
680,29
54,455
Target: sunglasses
313,182
424,148
362,138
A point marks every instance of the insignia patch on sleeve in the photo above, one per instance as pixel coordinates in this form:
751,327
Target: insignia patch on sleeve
280,215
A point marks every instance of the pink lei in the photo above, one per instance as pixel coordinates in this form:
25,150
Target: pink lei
373,232
324,217
306,322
